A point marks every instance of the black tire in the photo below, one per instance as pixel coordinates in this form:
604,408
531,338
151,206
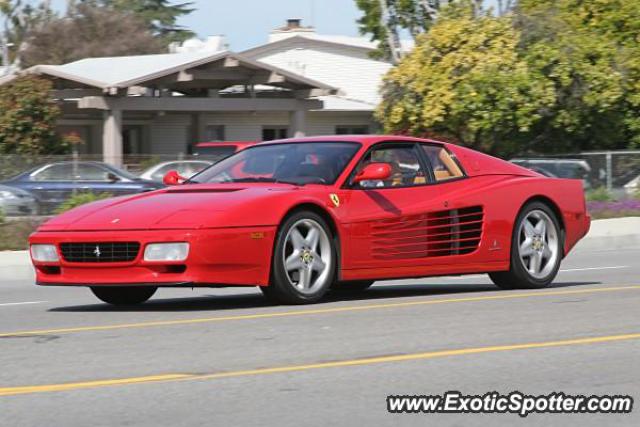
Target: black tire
124,295
281,289
518,277
352,287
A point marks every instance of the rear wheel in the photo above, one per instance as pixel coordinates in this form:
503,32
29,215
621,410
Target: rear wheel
304,260
536,250
125,295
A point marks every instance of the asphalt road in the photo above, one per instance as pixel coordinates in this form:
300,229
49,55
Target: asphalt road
225,358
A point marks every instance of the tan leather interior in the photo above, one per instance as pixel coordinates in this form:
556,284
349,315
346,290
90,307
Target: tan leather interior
442,175
454,169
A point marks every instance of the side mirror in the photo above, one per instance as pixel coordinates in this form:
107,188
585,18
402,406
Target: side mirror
173,178
373,172
112,177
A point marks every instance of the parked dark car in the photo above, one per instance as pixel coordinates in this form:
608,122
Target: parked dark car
54,183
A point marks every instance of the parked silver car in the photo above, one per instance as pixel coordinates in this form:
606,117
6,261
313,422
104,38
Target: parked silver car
17,202
186,168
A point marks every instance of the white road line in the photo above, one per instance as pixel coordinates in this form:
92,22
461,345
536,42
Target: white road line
615,267
566,270
7,304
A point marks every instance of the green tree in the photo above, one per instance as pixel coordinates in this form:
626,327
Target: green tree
554,76
28,118
588,51
89,31
412,17
17,19
466,81
159,16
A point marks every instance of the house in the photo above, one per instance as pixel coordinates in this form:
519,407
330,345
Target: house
298,83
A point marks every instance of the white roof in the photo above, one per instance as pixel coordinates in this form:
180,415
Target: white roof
128,71
360,42
120,71
339,103
357,42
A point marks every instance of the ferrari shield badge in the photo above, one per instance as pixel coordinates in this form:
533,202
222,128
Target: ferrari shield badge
335,199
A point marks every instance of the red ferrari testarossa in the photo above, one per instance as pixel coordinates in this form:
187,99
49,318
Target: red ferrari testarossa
301,216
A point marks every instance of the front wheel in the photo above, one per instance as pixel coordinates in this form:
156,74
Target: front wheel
536,250
125,295
304,260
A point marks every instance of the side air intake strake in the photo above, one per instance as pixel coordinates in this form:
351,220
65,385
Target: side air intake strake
435,234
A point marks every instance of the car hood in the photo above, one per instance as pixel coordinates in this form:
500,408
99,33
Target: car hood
181,207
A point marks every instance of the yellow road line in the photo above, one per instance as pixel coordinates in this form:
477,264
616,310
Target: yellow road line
367,307
10,391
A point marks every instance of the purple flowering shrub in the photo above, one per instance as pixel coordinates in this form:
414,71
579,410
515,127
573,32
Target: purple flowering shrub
614,209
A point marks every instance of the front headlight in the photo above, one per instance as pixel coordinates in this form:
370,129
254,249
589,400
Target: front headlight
44,253
7,195
166,252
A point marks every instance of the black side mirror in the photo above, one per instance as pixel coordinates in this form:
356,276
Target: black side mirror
112,177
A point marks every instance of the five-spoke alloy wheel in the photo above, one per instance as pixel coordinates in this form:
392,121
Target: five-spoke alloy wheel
304,260
536,250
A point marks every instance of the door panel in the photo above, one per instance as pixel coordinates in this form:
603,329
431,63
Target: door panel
387,226
419,226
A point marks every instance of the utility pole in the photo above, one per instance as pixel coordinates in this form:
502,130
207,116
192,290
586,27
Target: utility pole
4,42
392,34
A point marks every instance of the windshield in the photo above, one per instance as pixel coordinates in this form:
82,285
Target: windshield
295,163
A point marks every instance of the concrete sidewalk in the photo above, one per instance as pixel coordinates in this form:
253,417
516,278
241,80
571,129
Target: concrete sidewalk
617,233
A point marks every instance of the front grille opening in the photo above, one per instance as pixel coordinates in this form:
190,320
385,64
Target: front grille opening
100,252
176,269
48,269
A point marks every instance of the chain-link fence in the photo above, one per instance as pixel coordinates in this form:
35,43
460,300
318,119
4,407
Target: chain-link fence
617,171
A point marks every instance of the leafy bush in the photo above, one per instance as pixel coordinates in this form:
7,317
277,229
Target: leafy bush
2,219
28,118
600,194
81,199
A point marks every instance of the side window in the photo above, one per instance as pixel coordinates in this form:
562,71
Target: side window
406,169
443,163
91,173
60,172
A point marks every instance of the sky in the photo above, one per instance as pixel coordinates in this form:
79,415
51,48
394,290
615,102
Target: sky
247,23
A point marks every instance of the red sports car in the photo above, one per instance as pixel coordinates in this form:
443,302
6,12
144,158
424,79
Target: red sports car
299,217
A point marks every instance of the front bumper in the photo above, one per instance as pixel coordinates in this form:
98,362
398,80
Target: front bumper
229,256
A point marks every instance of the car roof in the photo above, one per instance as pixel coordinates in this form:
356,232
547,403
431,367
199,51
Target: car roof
366,140
168,162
